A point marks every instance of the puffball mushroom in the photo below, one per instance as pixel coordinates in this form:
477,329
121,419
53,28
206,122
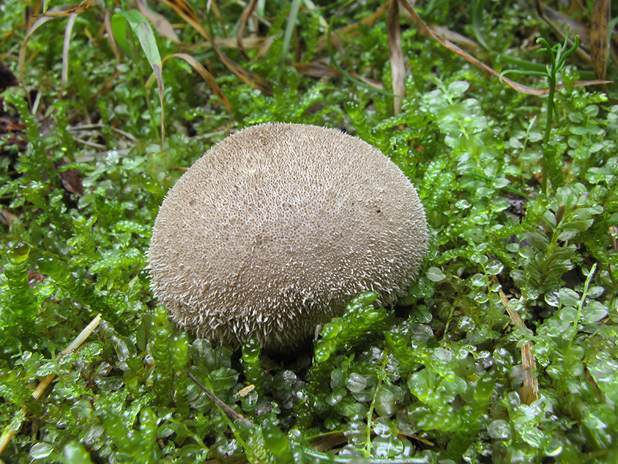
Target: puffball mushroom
277,227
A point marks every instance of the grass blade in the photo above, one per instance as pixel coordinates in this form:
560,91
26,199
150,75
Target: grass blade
141,27
207,76
289,29
65,51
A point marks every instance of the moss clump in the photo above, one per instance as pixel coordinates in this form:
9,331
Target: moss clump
511,269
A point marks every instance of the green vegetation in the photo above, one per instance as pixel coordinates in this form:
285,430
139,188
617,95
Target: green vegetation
503,352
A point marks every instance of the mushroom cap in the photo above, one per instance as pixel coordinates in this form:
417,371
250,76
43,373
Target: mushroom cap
277,227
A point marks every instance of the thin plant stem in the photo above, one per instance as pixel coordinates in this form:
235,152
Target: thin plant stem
557,57
548,126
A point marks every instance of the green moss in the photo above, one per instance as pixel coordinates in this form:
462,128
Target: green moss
436,379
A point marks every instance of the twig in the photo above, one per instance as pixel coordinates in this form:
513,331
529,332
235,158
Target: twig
228,411
530,390
100,126
43,384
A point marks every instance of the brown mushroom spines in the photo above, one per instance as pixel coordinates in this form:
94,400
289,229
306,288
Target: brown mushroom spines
276,227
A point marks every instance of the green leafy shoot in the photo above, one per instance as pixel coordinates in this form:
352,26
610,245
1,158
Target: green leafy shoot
141,28
558,54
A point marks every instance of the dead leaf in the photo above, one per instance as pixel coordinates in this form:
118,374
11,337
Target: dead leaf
328,441
530,389
35,5
7,78
21,60
6,125
160,22
599,37
561,23
422,440
207,76
7,218
398,70
246,14
186,12
229,42
42,19
110,36
316,69
479,64
376,84
613,233
72,182
62,11
11,130
34,277
212,7
268,41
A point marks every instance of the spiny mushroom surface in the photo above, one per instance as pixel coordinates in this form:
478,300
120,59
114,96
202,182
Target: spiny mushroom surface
277,227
